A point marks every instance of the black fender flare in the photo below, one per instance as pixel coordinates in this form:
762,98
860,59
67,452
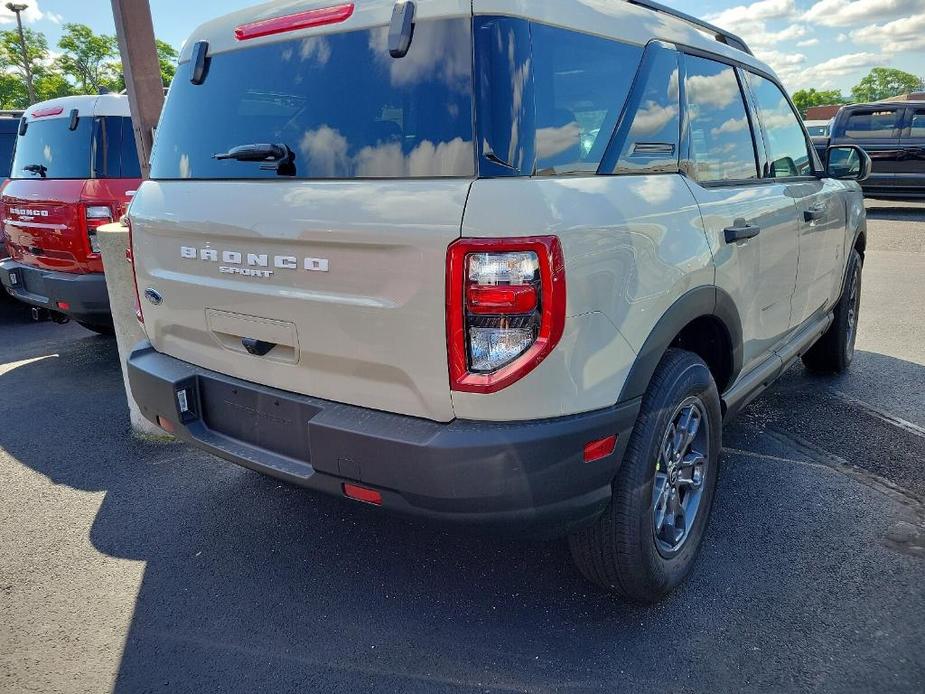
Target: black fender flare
696,303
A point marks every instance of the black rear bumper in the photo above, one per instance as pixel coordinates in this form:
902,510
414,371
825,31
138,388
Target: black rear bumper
84,297
524,476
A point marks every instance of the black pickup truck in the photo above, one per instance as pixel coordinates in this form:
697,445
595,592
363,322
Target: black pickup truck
893,134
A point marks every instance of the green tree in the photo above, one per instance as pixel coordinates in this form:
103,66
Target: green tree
12,60
88,58
13,94
167,55
807,98
885,82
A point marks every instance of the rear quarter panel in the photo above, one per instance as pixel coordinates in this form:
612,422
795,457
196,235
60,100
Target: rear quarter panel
632,244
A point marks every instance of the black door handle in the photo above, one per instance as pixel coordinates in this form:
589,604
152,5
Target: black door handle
815,213
258,348
741,231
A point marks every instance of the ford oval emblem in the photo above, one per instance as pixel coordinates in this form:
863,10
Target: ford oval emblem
153,296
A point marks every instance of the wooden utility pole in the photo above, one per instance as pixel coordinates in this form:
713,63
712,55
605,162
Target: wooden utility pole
142,72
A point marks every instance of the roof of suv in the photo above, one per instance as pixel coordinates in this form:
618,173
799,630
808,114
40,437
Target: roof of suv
631,21
89,105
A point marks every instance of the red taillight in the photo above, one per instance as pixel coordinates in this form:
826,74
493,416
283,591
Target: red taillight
46,112
130,257
596,450
505,309
294,22
367,496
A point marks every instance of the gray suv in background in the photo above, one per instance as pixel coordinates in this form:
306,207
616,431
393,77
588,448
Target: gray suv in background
489,262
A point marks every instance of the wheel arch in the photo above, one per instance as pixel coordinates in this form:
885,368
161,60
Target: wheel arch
704,320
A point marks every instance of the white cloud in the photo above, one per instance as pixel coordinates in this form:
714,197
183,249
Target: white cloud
54,17
32,14
907,34
733,125
846,13
847,64
807,43
764,9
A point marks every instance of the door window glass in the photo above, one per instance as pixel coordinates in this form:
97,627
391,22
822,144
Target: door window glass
872,124
722,148
788,151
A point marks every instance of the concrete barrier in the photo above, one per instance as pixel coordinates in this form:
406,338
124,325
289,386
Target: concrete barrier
113,240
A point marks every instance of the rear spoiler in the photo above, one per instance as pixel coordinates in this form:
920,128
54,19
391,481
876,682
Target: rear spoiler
720,35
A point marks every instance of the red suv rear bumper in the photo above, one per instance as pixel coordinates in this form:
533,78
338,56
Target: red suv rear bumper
82,297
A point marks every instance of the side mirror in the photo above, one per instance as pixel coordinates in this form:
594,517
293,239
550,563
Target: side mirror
847,163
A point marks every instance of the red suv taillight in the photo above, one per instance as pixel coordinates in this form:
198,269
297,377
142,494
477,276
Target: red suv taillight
96,216
130,257
505,309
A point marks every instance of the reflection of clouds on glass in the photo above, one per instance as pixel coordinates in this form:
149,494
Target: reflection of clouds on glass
719,90
520,76
438,53
186,171
326,152
47,153
315,48
553,141
653,190
733,125
652,117
328,155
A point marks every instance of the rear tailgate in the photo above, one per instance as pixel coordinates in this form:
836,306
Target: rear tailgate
319,268
369,331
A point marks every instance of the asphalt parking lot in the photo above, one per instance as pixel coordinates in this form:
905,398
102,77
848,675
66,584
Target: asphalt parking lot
135,566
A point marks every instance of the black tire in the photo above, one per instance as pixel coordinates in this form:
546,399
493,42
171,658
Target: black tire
834,351
99,329
620,551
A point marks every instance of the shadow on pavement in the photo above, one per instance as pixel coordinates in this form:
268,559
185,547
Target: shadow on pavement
251,585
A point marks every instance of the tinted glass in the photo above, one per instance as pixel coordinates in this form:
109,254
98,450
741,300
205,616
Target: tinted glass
918,124
720,132
114,149
49,147
818,130
339,102
788,152
7,142
653,129
581,86
549,98
872,124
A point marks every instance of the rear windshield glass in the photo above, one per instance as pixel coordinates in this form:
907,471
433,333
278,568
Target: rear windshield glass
340,103
102,147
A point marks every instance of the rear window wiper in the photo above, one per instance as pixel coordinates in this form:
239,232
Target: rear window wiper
36,169
281,158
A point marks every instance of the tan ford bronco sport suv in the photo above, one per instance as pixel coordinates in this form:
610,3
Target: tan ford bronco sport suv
487,261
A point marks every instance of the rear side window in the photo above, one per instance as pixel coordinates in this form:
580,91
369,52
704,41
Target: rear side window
115,154
879,123
651,137
7,142
721,144
549,98
788,152
341,104
581,85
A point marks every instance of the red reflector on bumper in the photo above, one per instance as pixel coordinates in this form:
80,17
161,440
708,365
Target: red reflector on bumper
367,496
165,424
294,22
595,450
64,306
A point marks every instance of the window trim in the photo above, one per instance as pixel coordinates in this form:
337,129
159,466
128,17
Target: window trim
906,132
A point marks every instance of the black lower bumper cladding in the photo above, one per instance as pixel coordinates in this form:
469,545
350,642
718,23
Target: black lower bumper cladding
82,297
524,476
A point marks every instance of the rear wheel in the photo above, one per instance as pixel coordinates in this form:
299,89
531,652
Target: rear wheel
645,543
100,329
834,351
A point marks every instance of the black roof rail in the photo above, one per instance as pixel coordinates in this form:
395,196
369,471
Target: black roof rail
720,35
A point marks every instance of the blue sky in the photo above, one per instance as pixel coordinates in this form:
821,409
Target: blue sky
819,43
